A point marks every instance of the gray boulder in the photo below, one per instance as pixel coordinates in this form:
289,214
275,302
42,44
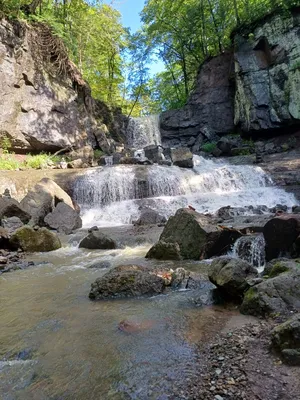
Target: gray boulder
164,251
97,240
197,235
31,241
63,218
231,275
182,157
42,199
154,153
127,281
11,224
286,340
277,295
11,208
150,217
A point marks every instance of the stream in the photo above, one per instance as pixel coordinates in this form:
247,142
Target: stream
56,344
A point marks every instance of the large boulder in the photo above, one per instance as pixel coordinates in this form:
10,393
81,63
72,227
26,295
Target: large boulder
11,208
127,281
282,236
164,251
63,218
31,240
197,236
97,240
182,157
286,340
154,153
277,295
43,198
11,224
231,275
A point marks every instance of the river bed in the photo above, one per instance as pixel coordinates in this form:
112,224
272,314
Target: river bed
57,344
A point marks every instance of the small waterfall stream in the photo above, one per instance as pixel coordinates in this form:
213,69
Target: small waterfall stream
115,195
143,131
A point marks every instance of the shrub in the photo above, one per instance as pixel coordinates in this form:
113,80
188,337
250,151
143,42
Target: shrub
209,147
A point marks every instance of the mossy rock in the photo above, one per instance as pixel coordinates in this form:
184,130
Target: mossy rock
31,241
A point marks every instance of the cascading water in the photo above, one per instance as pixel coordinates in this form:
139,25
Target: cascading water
115,195
251,249
143,131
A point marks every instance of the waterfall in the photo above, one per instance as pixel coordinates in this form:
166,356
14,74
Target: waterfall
116,195
251,249
143,131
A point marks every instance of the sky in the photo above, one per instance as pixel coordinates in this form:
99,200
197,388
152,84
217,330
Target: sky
130,10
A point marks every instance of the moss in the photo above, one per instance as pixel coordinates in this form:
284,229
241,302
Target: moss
250,295
277,270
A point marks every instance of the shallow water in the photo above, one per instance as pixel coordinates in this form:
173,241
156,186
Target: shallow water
57,344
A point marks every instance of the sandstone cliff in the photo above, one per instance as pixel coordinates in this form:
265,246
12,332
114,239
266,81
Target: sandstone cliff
254,89
43,108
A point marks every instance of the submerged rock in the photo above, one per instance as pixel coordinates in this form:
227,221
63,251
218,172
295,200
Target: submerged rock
97,240
150,217
127,281
231,275
286,340
164,251
42,199
63,218
30,240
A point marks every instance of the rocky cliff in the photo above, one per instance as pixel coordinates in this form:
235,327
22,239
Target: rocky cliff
44,105
254,89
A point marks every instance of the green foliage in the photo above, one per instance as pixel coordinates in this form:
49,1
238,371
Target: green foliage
209,147
184,33
98,153
8,161
295,66
5,144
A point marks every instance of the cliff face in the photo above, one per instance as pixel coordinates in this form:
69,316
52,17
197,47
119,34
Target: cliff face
39,110
267,75
254,90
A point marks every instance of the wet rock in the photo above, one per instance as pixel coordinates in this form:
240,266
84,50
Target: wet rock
134,161
164,251
197,236
43,198
227,145
126,282
276,295
182,157
97,240
100,265
31,240
286,340
154,153
11,208
63,218
231,276
281,236
150,217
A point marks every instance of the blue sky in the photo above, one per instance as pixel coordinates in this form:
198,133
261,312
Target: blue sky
130,10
